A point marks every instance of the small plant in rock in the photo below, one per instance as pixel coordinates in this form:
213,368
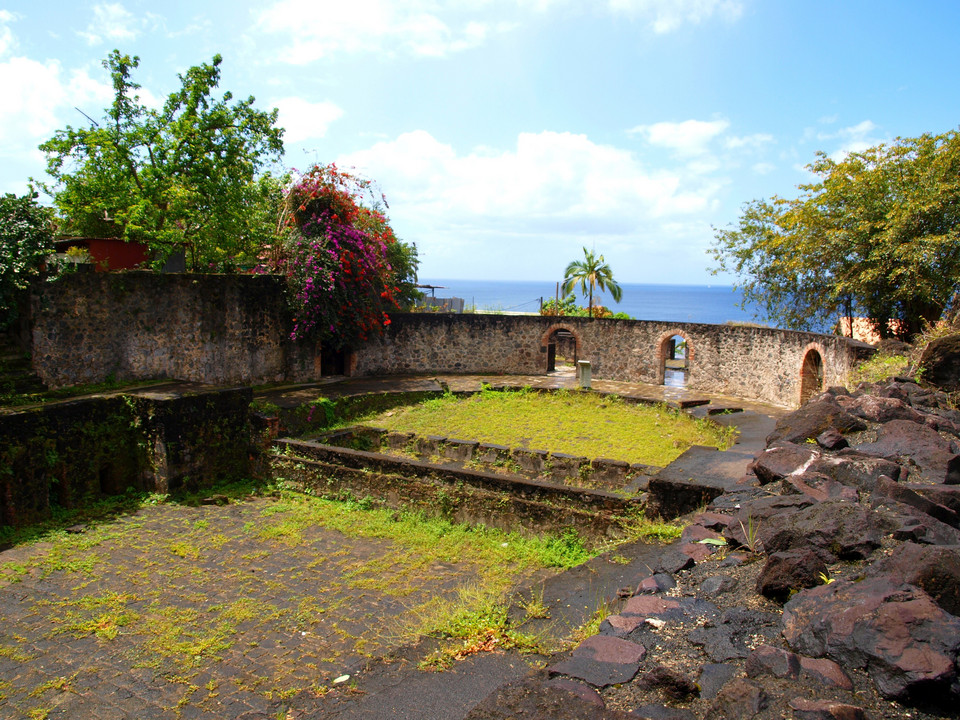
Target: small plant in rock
534,606
751,534
601,611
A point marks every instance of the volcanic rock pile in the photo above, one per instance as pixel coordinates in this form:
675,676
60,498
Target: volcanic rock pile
827,585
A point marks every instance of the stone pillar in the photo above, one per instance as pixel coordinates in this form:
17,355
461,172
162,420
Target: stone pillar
583,372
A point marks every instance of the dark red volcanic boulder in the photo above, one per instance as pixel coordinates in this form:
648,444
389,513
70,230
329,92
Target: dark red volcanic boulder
940,362
908,644
788,572
930,455
834,530
778,462
820,414
934,569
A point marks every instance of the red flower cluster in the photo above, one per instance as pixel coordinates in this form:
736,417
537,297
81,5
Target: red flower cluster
340,272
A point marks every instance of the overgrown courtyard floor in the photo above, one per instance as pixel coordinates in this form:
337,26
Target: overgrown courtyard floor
209,611
246,610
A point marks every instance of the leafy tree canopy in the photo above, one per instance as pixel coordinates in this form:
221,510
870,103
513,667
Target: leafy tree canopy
877,235
181,177
589,273
25,242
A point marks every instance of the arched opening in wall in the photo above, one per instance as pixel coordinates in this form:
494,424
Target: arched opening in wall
333,362
561,352
811,375
675,360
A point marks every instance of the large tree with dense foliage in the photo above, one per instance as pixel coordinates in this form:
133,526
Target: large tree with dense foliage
589,273
347,268
877,235
180,177
25,243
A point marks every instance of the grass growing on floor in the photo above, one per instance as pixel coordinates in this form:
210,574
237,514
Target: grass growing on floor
575,422
183,589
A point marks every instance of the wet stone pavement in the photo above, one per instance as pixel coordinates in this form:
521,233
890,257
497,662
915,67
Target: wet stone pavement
236,611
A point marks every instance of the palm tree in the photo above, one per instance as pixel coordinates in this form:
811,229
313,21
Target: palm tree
588,273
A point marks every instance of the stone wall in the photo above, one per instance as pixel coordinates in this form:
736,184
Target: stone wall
234,329
755,363
204,328
70,452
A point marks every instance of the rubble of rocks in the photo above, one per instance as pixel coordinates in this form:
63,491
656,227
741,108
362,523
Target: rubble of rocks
827,586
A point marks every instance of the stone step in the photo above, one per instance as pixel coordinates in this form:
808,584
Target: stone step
694,479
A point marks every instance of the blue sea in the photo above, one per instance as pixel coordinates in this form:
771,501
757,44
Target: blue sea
714,304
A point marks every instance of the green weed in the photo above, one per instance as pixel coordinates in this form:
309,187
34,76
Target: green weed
880,367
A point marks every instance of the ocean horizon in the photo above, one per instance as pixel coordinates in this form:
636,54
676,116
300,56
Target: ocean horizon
712,304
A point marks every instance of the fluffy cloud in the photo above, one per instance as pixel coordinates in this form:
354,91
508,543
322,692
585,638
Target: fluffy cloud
548,176
111,22
7,40
755,141
845,140
554,186
855,138
319,29
39,98
302,120
434,28
687,138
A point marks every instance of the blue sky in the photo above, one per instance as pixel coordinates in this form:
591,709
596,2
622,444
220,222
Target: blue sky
507,134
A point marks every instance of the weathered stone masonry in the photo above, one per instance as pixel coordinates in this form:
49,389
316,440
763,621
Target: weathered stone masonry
222,329
233,329
749,362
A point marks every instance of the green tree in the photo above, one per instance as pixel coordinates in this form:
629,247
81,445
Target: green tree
876,236
589,273
181,177
25,243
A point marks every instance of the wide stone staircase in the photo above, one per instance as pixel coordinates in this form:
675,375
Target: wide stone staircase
16,371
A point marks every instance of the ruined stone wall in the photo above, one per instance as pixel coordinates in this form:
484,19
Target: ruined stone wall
233,329
204,328
755,363
69,453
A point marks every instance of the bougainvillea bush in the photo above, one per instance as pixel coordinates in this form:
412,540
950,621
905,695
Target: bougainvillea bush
346,267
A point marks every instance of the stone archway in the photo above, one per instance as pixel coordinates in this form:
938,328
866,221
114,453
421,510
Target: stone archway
561,346
674,358
811,373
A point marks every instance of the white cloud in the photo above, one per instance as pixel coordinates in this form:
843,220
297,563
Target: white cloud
755,141
111,22
548,175
553,187
7,40
317,29
321,28
302,120
668,15
39,98
855,138
687,138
